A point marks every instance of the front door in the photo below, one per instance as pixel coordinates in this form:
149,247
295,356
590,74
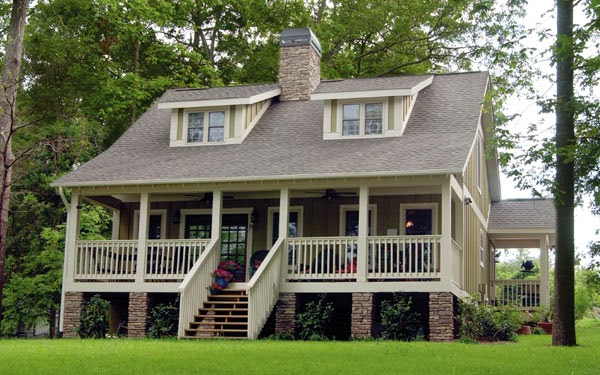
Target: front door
234,237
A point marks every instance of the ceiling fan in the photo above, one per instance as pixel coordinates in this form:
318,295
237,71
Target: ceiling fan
207,197
331,194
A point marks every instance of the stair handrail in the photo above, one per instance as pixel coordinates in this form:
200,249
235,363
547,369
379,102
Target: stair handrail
194,288
263,288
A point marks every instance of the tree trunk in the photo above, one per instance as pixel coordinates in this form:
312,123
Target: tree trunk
9,85
563,332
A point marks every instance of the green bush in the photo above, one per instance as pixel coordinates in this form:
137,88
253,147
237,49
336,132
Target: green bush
94,318
485,323
583,302
397,320
164,319
312,322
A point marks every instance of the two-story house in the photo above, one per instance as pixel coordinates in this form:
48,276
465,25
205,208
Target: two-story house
356,187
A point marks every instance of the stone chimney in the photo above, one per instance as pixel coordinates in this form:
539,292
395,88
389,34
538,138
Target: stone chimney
299,64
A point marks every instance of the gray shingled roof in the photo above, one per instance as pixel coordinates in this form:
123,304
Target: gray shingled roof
370,84
288,141
522,213
229,92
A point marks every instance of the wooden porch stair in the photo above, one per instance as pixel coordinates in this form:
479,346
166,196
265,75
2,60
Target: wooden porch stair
224,315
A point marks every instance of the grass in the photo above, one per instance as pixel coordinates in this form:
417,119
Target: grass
530,355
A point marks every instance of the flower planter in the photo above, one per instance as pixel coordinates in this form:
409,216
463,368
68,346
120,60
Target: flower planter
221,281
546,326
524,330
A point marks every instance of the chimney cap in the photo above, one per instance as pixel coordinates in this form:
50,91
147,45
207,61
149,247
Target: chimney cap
300,37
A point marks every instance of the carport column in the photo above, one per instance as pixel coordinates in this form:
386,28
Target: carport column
285,313
441,316
544,279
363,233
142,239
73,302
139,304
361,325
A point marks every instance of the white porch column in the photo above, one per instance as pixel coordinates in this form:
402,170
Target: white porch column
446,250
217,210
544,287
71,237
363,233
142,238
284,219
116,223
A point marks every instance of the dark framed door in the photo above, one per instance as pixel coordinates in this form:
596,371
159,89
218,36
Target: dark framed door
234,237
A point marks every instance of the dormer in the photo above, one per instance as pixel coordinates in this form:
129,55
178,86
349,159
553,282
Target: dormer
368,108
213,116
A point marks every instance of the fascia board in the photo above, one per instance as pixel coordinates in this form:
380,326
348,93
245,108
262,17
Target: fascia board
220,102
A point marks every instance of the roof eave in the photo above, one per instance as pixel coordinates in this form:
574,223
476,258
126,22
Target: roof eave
221,102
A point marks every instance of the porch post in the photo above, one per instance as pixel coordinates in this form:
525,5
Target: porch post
446,245
217,208
71,236
142,238
363,233
544,287
116,223
284,219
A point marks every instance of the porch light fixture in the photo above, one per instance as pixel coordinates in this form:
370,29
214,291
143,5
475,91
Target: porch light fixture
177,217
468,201
409,224
254,216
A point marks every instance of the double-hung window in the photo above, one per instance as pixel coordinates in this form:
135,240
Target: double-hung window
203,127
362,119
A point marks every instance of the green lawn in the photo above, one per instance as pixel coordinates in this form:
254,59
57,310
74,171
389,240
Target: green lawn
530,355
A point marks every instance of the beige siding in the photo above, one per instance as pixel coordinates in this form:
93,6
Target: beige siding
480,194
391,124
179,124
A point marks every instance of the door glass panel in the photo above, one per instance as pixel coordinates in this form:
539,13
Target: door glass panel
197,226
418,222
234,235
292,226
154,227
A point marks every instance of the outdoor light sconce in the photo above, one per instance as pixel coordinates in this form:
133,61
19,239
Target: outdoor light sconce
468,201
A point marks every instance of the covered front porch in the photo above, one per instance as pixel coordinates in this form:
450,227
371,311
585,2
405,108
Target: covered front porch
384,235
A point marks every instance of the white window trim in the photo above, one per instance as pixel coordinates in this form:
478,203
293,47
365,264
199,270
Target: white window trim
354,207
206,111
362,121
410,206
481,248
272,210
163,222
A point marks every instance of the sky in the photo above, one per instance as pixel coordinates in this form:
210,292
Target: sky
586,224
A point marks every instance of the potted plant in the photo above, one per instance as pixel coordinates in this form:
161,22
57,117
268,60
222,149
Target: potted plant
545,320
215,288
234,268
222,277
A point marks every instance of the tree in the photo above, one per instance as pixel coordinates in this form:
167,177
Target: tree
9,84
563,332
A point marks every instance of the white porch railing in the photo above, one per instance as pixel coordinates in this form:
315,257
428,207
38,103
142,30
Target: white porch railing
321,258
172,259
194,288
106,260
263,288
523,294
457,264
404,257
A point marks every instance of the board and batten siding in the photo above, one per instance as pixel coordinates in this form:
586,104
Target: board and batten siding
476,216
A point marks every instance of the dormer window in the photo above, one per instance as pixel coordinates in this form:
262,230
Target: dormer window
205,127
362,119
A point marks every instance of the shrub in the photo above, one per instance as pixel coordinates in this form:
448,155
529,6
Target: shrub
538,331
485,323
313,321
164,319
397,320
94,318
